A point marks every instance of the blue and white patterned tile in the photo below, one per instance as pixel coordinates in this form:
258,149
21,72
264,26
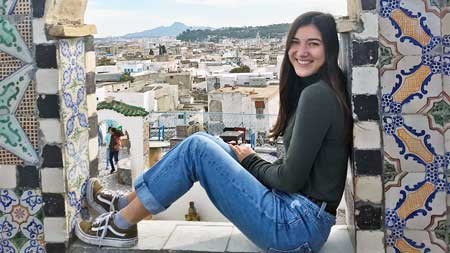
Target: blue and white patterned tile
7,246
406,89
33,246
415,241
21,219
72,83
13,43
74,111
33,229
8,199
71,58
9,227
409,140
416,201
413,24
76,163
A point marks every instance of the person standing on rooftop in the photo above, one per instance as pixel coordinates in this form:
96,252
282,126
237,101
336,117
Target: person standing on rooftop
285,206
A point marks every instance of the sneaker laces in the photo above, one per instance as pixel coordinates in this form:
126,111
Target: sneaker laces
101,223
115,196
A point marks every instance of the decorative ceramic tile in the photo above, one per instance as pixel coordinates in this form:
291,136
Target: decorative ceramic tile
16,141
415,241
369,241
368,216
29,125
406,89
47,81
25,28
55,230
46,56
12,41
48,106
368,162
28,177
414,25
71,61
54,205
49,176
369,188
416,201
9,177
9,65
23,7
52,155
13,88
388,55
21,221
28,104
370,24
365,80
7,7
368,5
51,131
365,107
366,135
364,53
410,140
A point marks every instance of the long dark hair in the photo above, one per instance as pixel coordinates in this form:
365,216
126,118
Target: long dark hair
329,71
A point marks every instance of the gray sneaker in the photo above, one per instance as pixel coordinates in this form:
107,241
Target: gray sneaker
101,200
103,232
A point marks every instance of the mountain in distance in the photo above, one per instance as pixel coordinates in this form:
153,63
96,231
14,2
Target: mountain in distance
174,30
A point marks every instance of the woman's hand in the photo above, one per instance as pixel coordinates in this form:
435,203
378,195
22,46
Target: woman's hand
241,151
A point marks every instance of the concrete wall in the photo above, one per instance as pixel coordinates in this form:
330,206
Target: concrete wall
145,100
135,128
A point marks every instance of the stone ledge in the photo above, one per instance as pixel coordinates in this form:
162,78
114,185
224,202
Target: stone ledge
198,237
346,25
71,30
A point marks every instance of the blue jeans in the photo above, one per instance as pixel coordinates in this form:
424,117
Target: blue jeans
275,221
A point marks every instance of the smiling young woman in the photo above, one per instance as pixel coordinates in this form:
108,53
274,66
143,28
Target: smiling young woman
285,206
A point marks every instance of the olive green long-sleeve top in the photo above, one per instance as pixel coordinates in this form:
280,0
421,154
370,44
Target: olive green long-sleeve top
315,163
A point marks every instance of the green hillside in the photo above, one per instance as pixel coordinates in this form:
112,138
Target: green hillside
247,32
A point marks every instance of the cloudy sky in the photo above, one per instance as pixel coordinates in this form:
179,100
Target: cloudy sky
119,17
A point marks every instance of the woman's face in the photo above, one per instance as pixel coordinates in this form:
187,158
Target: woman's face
307,52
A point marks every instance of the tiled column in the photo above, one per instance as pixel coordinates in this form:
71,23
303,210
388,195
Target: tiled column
75,61
72,77
413,62
367,153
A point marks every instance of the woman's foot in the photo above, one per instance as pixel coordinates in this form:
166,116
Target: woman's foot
104,232
99,199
